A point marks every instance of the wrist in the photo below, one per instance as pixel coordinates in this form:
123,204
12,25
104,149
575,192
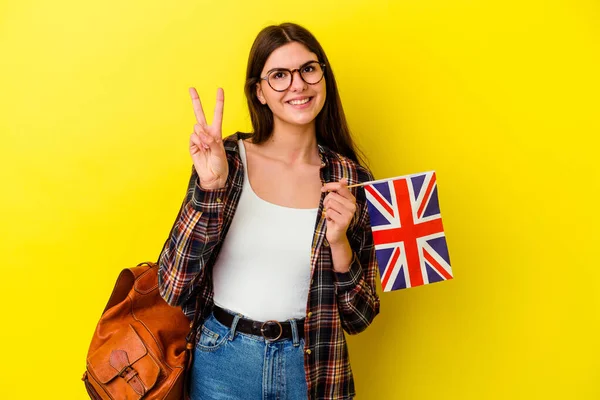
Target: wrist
341,255
214,185
340,243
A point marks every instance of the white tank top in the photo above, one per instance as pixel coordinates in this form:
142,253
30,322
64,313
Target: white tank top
263,269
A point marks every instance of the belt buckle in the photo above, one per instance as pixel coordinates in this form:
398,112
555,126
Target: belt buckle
262,329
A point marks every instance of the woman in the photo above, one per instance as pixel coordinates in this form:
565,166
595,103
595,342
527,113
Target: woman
271,245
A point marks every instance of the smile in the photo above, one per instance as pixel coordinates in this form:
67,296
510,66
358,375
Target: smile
299,102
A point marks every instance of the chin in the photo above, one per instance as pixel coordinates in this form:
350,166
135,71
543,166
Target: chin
303,121
298,120
303,118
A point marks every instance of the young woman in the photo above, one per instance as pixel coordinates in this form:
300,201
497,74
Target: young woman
270,244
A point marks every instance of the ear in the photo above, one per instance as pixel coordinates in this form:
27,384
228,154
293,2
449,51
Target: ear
260,95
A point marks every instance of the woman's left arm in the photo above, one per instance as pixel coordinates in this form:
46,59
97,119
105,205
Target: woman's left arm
353,257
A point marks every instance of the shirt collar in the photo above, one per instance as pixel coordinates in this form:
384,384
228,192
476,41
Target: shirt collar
324,154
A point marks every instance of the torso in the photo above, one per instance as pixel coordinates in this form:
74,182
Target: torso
294,186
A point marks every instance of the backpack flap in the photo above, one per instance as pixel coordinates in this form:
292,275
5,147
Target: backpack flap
123,366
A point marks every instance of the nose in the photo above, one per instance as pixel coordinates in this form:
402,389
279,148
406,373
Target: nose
298,83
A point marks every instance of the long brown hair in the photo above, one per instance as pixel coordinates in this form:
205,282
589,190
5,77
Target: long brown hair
331,126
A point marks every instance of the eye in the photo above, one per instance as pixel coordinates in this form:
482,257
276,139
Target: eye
308,68
277,75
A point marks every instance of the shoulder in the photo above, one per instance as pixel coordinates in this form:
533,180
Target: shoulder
234,160
343,167
231,142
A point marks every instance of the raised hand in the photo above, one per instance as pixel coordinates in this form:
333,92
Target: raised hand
206,144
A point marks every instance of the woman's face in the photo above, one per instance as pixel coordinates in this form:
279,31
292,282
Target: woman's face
300,103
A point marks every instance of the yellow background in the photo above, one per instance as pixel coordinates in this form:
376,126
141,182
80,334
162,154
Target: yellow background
499,97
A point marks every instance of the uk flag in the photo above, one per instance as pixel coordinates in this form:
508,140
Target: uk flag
410,244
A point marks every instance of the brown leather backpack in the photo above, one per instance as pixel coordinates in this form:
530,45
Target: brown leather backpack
142,347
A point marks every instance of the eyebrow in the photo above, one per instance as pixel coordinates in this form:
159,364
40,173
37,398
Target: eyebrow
302,65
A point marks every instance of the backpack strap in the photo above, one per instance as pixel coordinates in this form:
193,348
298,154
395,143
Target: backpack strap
121,289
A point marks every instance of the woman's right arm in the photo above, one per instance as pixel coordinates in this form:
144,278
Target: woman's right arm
192,239
197,228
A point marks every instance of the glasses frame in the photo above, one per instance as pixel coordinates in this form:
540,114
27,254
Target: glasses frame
291,71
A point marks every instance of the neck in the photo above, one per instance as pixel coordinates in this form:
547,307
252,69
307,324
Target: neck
293,144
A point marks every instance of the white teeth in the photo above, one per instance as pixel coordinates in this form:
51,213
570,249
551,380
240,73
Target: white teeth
299,102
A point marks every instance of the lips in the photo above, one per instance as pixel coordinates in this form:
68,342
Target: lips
300,101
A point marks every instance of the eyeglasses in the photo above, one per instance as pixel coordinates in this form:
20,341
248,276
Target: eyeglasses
280,79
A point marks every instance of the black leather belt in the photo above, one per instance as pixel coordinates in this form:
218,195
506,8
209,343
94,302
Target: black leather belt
270,330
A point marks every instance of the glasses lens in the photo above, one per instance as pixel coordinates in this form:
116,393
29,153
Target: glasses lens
312,72
280,79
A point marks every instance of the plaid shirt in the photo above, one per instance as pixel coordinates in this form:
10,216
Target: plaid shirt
336,302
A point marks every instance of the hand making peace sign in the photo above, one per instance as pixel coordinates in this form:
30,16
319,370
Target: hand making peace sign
206,144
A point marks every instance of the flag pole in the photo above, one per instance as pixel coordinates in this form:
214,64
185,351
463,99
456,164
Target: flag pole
359,184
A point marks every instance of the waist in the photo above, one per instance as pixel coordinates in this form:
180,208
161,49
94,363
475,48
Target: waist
270,330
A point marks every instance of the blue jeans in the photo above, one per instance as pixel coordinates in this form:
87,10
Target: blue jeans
230,365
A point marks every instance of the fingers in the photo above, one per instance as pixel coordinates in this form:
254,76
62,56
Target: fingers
197,105
205,138
339,204
216,128
218,117
334,216
340,187
338,213
336,201
196,144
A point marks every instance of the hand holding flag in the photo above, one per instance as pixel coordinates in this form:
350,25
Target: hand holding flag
339,206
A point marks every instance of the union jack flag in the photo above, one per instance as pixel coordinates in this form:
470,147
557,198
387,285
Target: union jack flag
410,244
